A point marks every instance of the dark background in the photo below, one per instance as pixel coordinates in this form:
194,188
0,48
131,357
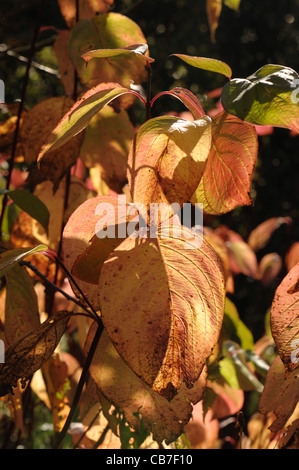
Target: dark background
261,32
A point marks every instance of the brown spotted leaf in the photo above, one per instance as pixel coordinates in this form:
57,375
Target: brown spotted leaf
162,303
38,125
28,354
87,9
280,394
167,160
226,182
21,307
118,383
92,232
285,319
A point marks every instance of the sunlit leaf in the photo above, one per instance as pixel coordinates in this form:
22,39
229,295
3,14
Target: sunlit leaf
267,97
90,235
9,258
205,63
21,307
167,160
162,302
107,31
106,143
226,181
38,125
28,354
138,50
280,394
87,9
124,389
187,98
242,258
80,115
285,319
214,8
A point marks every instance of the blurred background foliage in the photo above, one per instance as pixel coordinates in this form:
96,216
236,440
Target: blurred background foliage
261,32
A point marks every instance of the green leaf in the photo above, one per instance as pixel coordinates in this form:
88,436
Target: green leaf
233,4
205,63
31,204
9,258
81,113
268,97
135,49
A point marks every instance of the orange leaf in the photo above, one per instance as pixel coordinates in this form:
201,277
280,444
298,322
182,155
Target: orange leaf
162,303
285,319
226,181
167,160
126,391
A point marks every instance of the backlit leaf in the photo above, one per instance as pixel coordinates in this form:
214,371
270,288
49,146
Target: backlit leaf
187,98
28,354
214,8
106,143
125,390
285,319
261,234
167,160
226,181
136,49
269,267
162,302
92,232
21,308
205,63
38,125
9,258
87,9
80,115
280,394
107,31
267,97
242,258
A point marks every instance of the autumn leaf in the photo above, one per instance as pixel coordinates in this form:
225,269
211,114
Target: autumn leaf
92,232
269,267
107,31
260,235
9,258
21,308
106,143
79,116
205,63
285,319
187,98
28,354
267,97
167,160
65,65
125,390
226,181
214,8
138,50
166,316
87,9
280,394
38,123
